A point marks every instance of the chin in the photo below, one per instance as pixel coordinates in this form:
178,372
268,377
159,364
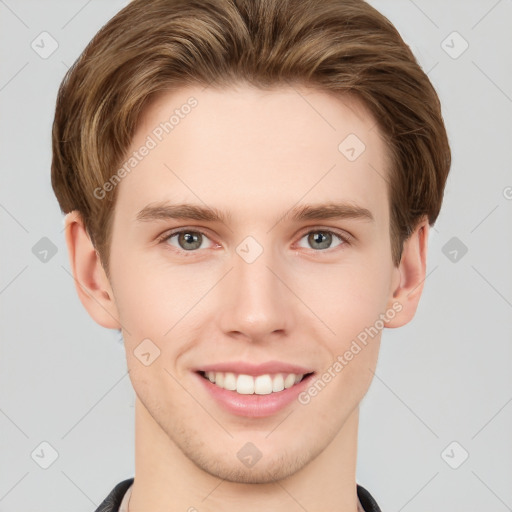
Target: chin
262,472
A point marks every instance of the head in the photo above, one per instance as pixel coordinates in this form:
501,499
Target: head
260,119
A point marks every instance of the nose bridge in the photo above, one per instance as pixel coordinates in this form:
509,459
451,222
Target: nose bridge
256,303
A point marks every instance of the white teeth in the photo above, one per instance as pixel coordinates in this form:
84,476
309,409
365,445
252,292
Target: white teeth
245,385
289,381
230,381
278,383
263,385
249,385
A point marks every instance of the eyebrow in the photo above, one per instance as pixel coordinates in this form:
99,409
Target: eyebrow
165,211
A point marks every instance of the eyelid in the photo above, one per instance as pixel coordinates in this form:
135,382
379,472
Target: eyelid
344,236
168,234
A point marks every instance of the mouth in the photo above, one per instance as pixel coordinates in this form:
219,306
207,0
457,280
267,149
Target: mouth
253,390
265,384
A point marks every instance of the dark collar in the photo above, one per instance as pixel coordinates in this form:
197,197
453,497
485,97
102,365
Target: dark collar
112,502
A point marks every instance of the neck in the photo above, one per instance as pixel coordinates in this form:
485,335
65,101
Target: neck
167,480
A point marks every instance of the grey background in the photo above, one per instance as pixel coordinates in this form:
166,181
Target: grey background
446,377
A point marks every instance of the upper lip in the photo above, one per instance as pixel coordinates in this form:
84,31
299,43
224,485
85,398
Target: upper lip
245,368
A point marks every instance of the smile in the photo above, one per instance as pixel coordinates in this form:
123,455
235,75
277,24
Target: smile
242,384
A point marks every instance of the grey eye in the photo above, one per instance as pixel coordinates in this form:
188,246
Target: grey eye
320,239
187,240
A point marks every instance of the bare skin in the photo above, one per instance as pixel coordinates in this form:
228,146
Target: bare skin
253,155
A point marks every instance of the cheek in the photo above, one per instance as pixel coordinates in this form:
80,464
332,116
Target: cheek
347,297
154,297
160,310
151,299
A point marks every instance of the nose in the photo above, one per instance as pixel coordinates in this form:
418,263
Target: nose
254,301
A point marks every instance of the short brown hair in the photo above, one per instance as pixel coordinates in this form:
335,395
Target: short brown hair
337,46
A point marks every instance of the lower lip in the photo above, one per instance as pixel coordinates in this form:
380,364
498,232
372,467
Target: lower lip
254,406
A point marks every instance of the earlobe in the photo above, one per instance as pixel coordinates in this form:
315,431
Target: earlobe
412,273
91,282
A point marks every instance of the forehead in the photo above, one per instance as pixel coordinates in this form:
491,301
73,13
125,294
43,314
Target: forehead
245,151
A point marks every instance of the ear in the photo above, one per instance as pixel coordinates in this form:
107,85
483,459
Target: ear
91,282
411,275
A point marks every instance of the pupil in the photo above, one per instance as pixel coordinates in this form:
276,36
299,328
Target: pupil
190,239
322,239
193,239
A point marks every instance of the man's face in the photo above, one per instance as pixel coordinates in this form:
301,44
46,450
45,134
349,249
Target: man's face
263,292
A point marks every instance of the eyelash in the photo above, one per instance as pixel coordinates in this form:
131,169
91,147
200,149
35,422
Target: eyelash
345,238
